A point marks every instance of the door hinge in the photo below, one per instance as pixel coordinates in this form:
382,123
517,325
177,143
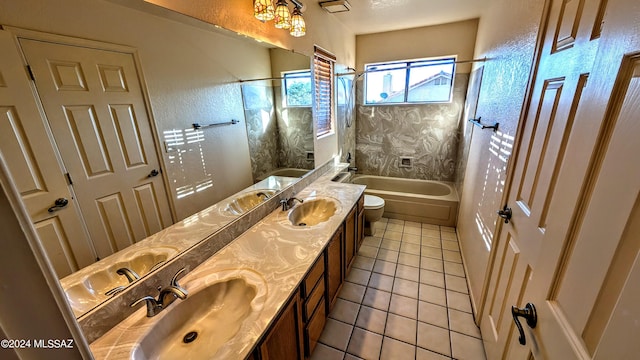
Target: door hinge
68,178
30,71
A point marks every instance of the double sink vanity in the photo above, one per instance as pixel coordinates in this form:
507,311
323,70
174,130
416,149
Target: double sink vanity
265,295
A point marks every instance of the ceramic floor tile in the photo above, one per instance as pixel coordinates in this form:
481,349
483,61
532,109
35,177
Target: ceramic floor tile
397,350
433,314
462,322
392,235
372,319
404,306
431,252
359,276
377,299
388,255
385,267
458,301
466,347
433,278
434,338
390,245
422,354
365,344
371,241
456,283
449,235
412,224
431,242
368,251
336,334
352,292
381,282
324,352
431,233
415,230
447,229
401,328
345,311
348,356
411,239
453,256
408,272
431,264
454,269
406,288
363,262
432,294
450,245
410,248
430,226
396,221
409,259
395,227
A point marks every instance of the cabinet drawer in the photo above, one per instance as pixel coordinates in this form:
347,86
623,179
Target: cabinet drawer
317,270
312,302
361,203
314,329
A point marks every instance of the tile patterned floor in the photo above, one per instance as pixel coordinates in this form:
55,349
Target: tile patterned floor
406,297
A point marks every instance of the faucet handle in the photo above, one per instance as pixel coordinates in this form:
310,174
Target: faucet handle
174,280
152,305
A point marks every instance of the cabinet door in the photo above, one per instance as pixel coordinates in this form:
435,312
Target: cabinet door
335,273
284,340
360,236
350,232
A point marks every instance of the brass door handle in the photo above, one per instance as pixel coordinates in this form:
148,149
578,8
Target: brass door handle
530,314
58,204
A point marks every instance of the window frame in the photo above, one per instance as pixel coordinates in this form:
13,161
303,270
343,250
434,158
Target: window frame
324,121
285,95
406,64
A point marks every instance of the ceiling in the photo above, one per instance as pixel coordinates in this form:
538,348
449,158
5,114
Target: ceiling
371,16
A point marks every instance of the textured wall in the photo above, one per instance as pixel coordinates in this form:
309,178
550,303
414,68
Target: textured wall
262,128
507,37
295,134
426,132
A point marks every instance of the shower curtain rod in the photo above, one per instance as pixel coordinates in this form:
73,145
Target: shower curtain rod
368,71
412,66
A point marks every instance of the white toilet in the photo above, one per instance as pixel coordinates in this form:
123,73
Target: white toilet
373,210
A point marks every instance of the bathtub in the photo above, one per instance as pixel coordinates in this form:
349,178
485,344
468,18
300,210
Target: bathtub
289,172
426,201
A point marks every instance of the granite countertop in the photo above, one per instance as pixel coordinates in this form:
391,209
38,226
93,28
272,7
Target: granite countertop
162,245
273,256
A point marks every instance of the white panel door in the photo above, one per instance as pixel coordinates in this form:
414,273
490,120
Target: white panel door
27,148
94,104
571,247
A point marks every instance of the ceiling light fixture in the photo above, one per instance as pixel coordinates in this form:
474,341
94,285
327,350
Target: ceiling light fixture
263,10
298,26
282,15
336,6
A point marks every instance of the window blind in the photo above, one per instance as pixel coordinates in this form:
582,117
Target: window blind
323,64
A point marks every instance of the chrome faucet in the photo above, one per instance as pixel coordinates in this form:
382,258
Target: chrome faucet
130,274
288,203
167,295
263,194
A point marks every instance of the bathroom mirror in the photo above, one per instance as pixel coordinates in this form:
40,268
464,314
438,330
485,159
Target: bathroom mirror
188,69
279,118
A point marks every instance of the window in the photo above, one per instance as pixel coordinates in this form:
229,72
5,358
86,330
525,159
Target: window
323,63
297,88
409,81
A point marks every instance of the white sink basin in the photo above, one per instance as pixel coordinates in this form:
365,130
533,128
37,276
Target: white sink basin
247,201
91,290
313,212
218,306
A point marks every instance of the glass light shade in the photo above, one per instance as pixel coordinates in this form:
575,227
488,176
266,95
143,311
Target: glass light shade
283,16
298,27
263,10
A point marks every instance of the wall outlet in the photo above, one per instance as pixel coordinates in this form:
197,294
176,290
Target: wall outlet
405,162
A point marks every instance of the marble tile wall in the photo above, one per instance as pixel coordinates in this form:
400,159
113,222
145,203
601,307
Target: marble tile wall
426,132
295,134
345,119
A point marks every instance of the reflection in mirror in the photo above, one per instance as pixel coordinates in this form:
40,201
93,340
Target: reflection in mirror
279,119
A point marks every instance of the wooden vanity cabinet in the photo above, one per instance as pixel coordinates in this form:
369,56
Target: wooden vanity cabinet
350,235
335,269
360,236
284,339
314,311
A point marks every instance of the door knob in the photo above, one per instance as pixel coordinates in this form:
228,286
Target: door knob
153,173
530,314
58,204
505,213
